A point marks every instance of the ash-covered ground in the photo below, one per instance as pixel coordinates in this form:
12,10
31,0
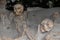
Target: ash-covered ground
35,16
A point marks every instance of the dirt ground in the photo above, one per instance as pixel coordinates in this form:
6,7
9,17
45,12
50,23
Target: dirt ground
35,16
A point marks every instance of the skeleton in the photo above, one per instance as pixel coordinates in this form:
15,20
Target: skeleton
20,20
46,25
18,9
14,20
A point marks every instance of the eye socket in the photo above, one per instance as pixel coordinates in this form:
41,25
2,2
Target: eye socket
19,8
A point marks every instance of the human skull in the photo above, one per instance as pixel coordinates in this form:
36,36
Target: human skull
56,17
46,25
18,9
55,14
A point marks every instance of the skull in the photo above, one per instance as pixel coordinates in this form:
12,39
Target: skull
55,14
46,25
56,17
18,9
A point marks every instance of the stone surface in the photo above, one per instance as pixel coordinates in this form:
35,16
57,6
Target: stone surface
34,18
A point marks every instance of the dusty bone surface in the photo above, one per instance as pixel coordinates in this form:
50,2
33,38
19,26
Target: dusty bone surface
18,9
46,25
